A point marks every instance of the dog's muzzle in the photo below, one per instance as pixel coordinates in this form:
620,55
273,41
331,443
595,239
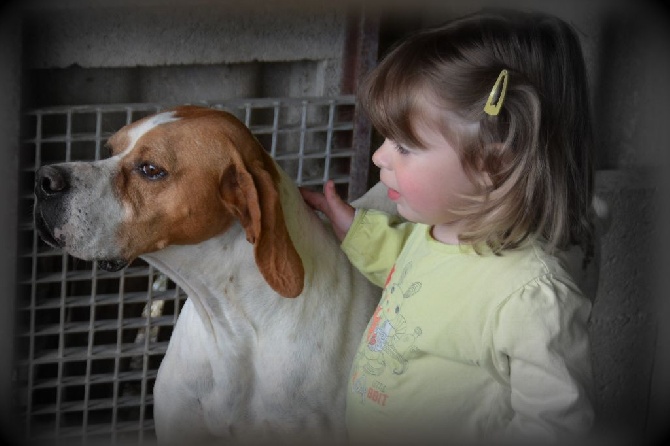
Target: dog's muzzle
53,184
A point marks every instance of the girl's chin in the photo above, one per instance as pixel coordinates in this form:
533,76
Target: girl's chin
404,213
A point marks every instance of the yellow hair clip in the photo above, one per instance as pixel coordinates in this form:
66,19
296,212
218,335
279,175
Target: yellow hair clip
497,95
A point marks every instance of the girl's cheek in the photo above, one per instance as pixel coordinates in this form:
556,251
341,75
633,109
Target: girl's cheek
411,188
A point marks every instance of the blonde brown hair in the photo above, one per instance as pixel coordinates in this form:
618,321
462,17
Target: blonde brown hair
537,151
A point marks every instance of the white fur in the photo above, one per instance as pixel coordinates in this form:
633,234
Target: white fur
143,128
87,232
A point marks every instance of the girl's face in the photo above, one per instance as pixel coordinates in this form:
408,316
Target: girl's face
425,183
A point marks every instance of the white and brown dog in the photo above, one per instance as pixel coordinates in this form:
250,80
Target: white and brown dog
193,193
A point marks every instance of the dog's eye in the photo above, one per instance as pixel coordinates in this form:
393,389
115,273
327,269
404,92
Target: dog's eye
107,152
151,171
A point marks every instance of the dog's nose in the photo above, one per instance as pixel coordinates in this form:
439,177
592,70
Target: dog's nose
50,181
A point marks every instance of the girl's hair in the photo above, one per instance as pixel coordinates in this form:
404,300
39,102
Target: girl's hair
537,151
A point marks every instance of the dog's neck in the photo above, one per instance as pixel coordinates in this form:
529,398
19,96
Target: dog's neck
208,270
309,234
224,266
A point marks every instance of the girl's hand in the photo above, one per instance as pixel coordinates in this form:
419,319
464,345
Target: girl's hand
340,214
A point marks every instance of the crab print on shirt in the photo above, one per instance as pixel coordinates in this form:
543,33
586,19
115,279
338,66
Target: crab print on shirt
388,341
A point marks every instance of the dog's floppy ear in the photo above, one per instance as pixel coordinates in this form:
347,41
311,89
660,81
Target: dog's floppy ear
250,193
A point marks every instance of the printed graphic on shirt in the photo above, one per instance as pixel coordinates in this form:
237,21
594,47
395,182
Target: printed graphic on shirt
388,340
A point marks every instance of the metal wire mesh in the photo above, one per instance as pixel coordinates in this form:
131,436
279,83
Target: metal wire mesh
90,341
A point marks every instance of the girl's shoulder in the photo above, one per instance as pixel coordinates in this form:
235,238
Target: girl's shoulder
533,265
555,281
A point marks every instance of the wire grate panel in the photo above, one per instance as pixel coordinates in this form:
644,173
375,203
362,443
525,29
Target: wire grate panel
90,341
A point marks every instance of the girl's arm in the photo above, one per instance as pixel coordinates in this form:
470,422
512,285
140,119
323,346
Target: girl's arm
340,214
372,240
542,340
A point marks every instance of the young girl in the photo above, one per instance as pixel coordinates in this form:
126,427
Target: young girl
481,332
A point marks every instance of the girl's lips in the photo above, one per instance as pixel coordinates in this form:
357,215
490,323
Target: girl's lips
393,194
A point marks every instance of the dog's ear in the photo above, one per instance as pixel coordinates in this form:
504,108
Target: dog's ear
250,193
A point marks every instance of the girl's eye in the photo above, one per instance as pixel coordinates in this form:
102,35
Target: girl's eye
151,171
401,150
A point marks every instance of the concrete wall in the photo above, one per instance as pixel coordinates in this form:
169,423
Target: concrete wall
215,53
172,51
630,68
624,323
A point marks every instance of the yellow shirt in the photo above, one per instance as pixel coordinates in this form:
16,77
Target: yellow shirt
465,346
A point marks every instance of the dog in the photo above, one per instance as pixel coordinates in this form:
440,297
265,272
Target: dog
262,348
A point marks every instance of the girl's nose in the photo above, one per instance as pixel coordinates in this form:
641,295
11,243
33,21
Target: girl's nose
381,156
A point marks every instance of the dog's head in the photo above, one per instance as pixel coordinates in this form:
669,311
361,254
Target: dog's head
175,178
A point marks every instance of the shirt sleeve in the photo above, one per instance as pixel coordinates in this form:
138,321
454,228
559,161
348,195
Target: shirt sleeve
374,242
540,336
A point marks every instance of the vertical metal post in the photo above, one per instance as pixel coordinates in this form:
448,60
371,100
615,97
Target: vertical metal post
360,57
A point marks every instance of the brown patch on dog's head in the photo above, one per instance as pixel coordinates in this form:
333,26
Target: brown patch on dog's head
209,170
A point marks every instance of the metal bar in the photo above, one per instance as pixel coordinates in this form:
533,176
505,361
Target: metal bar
224,103
63,289
117,359
92,312
301,150
275,129
329,141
